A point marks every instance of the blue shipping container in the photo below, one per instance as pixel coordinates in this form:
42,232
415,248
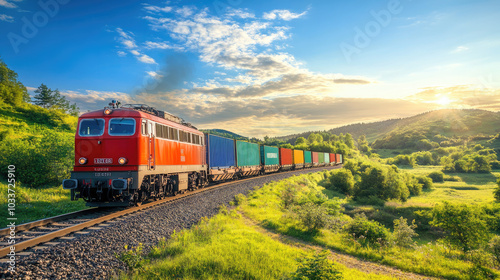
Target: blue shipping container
220,152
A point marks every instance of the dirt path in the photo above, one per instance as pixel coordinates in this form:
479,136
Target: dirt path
347,260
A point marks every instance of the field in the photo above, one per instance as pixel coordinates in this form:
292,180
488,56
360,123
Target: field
34,204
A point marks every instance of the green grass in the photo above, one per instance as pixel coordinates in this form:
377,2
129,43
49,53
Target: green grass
227,247
34,204
472,188
430,259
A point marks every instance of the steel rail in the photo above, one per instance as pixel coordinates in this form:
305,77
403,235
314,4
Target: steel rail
68,230
46,221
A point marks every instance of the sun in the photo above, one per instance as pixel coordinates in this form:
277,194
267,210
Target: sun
443,101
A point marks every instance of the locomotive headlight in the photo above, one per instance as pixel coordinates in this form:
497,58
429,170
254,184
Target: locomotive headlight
107,111
82,161
122,160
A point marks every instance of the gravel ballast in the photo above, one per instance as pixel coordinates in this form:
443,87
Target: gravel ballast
92,256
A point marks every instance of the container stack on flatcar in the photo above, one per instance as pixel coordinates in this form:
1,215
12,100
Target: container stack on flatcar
221,158
307,159
286,159
298,159
248,158
327,159
124,156
315,158
321,159
269,158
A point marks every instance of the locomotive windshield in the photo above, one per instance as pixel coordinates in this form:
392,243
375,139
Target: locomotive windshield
91,127
121,126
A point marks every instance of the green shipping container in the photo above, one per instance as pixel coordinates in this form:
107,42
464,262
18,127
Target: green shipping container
327,158
307,157
247,154
269,155
321,157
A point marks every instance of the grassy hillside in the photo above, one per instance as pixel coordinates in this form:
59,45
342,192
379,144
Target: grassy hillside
38,141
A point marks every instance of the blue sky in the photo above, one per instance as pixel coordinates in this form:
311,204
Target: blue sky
260,67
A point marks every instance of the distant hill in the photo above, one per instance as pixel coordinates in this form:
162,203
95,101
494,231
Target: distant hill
224,133
446,123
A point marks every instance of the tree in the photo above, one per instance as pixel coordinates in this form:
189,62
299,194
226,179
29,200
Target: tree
45,97
318,267
11,90
300,140
463,224
343,181
403,233
312,138
50,99
349,141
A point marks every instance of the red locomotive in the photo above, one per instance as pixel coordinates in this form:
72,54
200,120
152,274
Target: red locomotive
129,154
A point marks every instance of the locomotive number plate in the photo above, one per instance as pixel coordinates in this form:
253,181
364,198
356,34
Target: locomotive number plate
103,160
103,174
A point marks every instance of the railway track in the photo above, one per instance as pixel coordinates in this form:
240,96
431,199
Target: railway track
32,234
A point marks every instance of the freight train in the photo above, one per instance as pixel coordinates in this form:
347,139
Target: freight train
127,155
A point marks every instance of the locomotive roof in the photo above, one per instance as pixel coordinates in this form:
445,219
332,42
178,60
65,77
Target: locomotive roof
131,113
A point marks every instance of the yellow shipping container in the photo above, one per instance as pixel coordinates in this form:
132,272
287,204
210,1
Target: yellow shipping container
298,156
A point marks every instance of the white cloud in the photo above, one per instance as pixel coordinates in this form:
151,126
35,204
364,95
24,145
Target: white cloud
7,4
185,11
146,59
154,74
239,13
90,100
127,40
282,14
157,9
460,49
161,45
6,18
121,53
243,47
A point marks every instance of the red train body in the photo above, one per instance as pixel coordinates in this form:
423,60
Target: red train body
123,154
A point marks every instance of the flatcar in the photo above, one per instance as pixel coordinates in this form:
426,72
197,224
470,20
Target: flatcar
127,155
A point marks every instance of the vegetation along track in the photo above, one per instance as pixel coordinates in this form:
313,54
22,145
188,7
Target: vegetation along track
94,249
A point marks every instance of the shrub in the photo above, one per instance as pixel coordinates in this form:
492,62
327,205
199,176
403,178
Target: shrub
413,184
403,233
496,192
495,248
370,232
343,181
317,267
133,259
289,195
312,216
436,176
426,182
464,225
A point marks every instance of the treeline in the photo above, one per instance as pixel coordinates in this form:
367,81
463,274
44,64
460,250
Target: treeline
14,93
461,159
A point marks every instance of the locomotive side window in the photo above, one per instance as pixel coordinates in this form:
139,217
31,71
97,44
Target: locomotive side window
122,127
143,128
91,127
